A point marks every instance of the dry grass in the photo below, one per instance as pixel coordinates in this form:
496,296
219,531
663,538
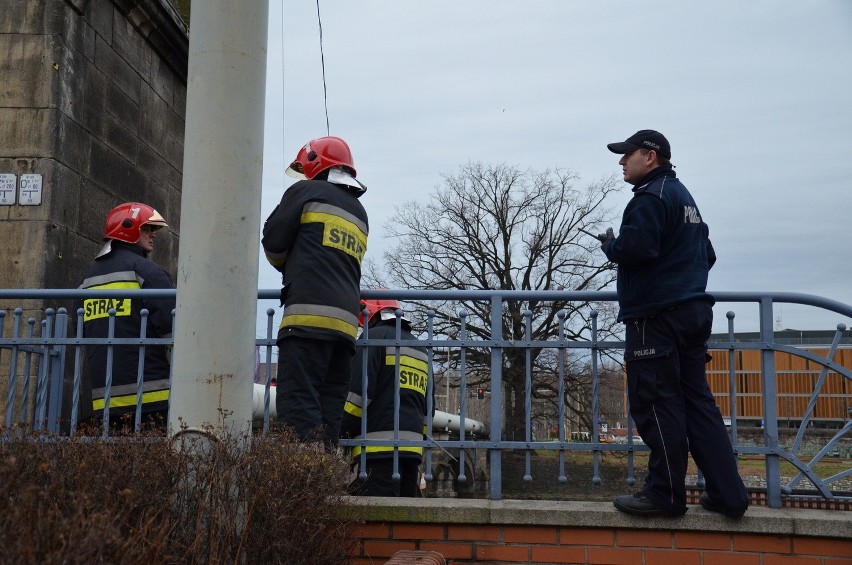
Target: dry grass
140,500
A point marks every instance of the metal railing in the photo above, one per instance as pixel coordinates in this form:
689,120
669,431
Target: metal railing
37,351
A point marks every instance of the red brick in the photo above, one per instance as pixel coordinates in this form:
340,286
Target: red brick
790,560
385,548
354,550
669,557
516,553
763,544
585,536
474,533
643,538
823,547
449,550
697,540
424,557
730,558
512,534
375,530
558,554
418,531
614,556
837,561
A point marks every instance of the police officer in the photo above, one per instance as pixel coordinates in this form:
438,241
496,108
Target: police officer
664,255
122,263
316,237
379,399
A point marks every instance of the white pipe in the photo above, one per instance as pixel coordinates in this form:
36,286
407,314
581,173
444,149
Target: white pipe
220,224
441,421
452,422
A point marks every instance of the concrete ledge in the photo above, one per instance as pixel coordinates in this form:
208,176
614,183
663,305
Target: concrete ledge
757,520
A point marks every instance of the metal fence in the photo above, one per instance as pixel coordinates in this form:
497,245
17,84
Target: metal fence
39,346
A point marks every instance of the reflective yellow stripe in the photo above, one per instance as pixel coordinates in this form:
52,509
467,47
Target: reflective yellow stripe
325,322
406,361
356,451
130,399
353,409
122,284
276,259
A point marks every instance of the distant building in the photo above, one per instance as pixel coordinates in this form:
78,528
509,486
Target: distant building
796,379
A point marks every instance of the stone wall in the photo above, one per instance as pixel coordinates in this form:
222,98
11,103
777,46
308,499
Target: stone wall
92,97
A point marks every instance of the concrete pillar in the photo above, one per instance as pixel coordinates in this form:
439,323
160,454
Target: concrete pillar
213,360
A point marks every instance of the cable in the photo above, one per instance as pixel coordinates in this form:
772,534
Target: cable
322,60
284,162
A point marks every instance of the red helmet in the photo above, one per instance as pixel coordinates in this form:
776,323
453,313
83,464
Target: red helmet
319,155
125,220
379,307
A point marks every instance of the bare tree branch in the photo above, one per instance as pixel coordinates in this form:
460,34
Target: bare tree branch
498,227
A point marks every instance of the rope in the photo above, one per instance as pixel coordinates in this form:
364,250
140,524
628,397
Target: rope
322,60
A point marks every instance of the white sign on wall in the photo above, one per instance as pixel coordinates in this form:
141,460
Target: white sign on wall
8,188
30,193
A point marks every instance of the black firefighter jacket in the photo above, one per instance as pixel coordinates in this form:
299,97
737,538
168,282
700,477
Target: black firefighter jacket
126,267
317,237
381,374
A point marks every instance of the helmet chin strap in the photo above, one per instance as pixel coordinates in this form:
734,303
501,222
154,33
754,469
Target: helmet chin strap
337,175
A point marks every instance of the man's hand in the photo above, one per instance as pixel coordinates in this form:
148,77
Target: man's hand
605,237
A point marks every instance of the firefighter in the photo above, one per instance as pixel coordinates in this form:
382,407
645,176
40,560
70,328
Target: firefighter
122,263
381,387
316,237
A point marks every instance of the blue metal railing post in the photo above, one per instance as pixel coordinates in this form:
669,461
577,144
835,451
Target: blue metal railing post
494,455
732,380
43,370
56,370
770,410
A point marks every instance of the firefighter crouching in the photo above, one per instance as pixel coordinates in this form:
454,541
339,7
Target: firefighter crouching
122,263
379,402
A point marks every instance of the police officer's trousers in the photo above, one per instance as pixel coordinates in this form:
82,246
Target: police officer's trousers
674,410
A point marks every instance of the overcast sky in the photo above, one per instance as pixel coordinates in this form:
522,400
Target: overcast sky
755,98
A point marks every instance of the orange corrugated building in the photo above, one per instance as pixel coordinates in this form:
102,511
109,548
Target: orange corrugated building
796,380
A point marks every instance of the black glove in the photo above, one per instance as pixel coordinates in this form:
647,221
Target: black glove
605,237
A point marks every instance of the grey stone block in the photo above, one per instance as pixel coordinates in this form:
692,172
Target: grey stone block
100,16
117,70
22,17
109,169
121,139
71,143
155,117
130,45
124,109
26,131
24,61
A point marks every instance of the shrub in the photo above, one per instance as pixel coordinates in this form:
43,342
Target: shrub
138,499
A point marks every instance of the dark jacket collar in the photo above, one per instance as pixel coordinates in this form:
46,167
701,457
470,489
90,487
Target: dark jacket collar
661,171
132,247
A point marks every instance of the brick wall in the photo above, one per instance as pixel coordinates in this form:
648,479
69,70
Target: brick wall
496,544
504,532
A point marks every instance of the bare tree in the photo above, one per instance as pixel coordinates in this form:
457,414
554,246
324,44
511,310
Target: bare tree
498,227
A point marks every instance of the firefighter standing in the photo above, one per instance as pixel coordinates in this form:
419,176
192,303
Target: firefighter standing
381,390
122,263
316,237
